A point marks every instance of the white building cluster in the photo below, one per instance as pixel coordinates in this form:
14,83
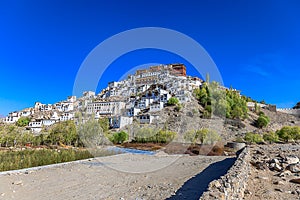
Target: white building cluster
140,96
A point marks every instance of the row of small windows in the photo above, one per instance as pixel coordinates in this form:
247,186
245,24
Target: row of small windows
145,117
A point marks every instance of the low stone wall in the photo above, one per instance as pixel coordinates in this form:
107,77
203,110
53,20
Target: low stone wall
295,112
233,184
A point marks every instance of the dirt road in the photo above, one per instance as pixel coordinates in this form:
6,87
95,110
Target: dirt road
124,176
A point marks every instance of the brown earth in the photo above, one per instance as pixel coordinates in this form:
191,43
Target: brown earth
266,182
123,176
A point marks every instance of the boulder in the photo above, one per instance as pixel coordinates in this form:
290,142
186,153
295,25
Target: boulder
296,180
17,183
291,159
215,184
279,183
295,168
285,173
275,166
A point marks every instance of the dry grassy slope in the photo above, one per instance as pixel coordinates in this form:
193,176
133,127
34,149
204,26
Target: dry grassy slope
188,118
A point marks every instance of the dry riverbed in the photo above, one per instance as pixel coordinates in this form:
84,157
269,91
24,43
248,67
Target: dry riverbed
124,176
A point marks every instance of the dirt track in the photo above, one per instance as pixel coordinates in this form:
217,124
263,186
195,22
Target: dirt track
124,176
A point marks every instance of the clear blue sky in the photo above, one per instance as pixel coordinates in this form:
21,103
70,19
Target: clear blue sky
255,44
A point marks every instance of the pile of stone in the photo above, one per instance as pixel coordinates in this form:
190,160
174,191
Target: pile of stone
286,166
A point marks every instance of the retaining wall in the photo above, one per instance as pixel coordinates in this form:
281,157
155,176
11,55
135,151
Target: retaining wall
233,184
295,112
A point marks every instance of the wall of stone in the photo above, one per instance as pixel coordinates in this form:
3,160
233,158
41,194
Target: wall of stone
295,112
233,184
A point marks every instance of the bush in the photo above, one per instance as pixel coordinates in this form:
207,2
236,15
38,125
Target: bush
270,137
253,138
178,107
23,121
104,124
119,137
165,136
207,112
239,139
202,136
173,101
288,133
190,136
211,137
145,135
262,121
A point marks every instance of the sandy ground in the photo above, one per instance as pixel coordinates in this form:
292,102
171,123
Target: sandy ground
124,176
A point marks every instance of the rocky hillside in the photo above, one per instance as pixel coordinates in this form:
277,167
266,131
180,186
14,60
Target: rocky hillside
297,106
189,118
274,172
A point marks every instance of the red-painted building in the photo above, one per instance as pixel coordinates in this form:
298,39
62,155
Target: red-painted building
178,69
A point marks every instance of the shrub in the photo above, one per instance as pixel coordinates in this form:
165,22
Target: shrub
173,101
239,139
145,135
178,107
23,121
270,137
190,136
165,136
203,136
104,124
253,138
211,137
288,133
119,137
262,121
207,112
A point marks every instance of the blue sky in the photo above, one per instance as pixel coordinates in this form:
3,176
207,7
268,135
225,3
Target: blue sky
255,44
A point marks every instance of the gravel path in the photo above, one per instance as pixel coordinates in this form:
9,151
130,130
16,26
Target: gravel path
124,176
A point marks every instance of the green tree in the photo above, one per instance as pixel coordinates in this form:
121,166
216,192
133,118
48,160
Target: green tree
119,137
63,133
257,108
91,133
222,102
202,95
23,121
207,78
104,124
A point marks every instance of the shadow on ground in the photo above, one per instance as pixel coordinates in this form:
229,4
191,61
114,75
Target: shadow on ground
196,186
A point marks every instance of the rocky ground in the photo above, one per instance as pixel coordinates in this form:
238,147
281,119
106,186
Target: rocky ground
124,176
275,172
189,118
